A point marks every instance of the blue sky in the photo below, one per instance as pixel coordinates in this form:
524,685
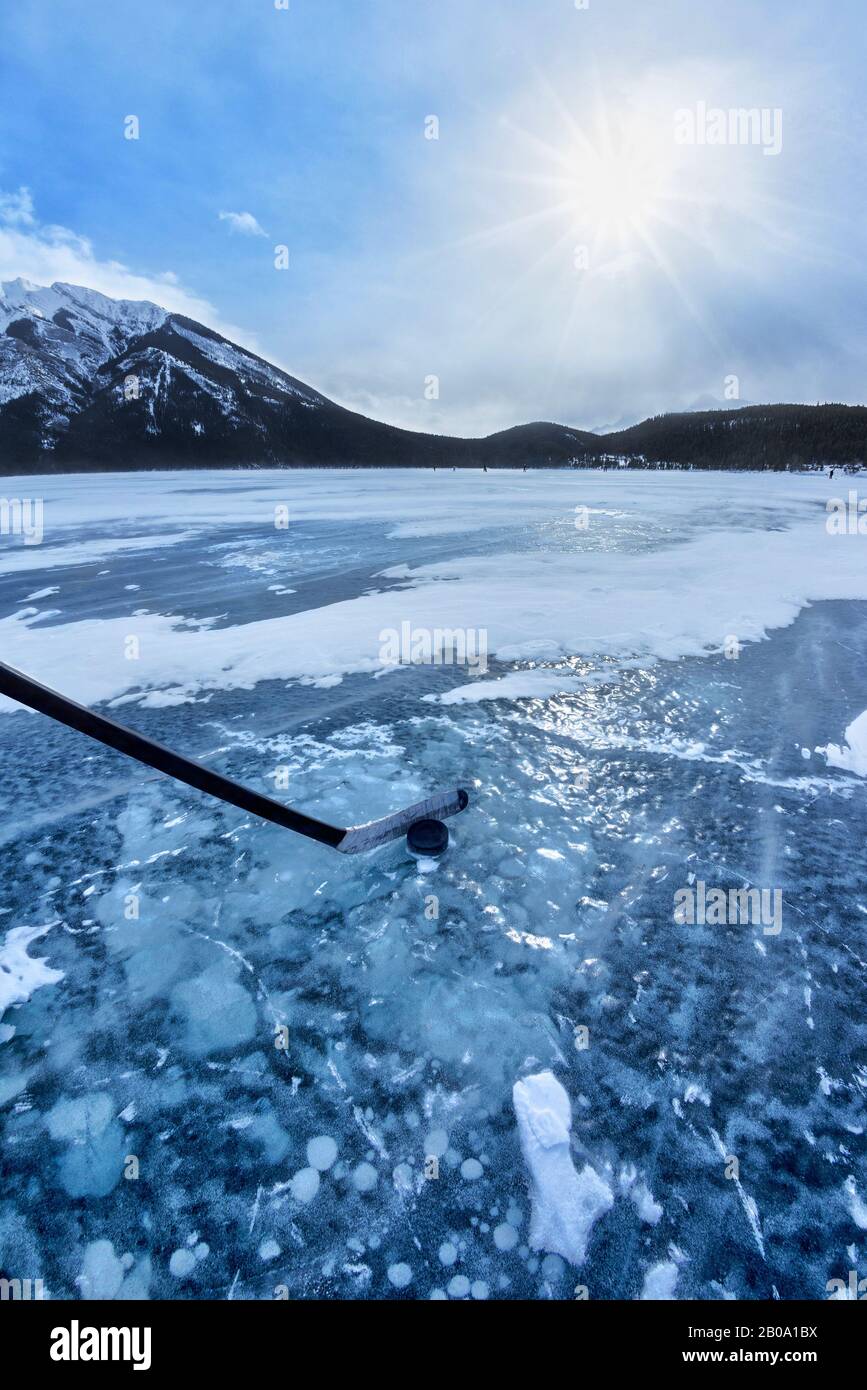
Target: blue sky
556,253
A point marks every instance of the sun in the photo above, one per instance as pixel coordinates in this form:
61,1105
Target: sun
613,183
620,190
617,175
600,190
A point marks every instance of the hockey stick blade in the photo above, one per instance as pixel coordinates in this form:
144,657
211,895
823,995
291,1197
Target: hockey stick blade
360,838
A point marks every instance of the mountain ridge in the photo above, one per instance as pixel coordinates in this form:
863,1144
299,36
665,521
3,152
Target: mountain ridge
91,383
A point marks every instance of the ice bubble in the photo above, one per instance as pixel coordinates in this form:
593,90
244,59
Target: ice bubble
265,1129
402,1177
459,1287
399,1275
365,1177
448,1253
505,1236
511,868
436,1143
182,1263
92,1165
479,1289
269,1250
471,1169
102,1272
305,1184
217,1012
321,1152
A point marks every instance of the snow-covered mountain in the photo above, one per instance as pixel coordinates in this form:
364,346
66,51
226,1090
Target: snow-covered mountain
86,377
92,382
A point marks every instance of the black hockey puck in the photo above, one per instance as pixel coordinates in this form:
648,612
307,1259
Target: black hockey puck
427,838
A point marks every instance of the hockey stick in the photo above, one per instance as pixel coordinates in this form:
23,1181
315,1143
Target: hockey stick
354,840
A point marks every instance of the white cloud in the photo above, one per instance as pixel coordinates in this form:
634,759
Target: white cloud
44,254
16,209
243,222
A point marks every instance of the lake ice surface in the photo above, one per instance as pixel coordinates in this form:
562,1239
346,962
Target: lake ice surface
154,943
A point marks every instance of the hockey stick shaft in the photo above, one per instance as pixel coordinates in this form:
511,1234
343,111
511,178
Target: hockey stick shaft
355,840
86,721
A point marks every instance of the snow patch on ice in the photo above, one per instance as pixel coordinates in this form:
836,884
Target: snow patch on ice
856,1204
565,1204
852,757
518,685
21,974
659,1281
36,557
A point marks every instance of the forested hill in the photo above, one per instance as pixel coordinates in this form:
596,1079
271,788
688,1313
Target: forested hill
756,436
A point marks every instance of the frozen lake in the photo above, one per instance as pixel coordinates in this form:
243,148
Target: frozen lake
670,665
